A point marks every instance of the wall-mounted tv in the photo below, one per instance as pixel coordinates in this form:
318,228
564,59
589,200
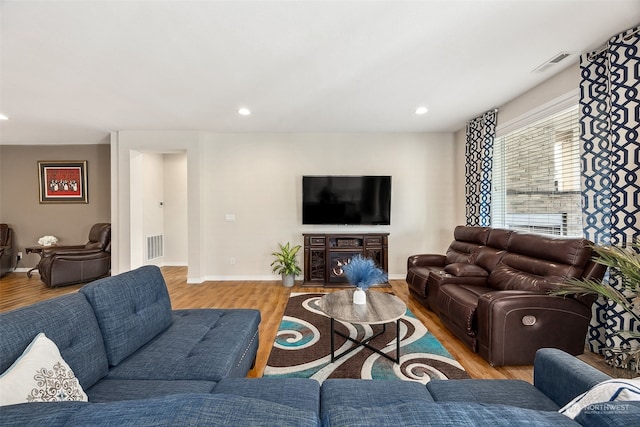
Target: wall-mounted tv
350,200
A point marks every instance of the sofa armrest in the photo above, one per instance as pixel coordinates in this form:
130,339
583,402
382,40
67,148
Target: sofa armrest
426,260
512,325
52,250
562,377
81,256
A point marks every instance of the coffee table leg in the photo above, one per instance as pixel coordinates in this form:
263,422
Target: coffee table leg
365,342
332,343
398,341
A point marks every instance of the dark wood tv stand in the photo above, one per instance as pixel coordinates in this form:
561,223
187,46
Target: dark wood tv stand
324,254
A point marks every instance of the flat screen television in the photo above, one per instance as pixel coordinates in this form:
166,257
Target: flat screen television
346,200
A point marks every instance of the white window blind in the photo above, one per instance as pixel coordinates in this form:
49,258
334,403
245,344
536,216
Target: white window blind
536,177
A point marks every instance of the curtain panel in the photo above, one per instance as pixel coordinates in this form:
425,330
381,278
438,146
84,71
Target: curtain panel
610,124
481,133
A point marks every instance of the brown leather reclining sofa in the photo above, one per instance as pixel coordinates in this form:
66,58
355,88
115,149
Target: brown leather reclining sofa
491,289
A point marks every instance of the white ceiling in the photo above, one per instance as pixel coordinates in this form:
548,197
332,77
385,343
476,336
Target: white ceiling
73,71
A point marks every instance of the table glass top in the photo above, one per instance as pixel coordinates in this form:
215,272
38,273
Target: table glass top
381,307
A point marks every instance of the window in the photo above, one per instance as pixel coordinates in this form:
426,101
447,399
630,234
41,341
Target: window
536,177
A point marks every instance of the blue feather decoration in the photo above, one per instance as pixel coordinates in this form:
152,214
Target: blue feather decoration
362,272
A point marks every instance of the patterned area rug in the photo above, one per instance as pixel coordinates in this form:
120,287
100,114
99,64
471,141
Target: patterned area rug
302,348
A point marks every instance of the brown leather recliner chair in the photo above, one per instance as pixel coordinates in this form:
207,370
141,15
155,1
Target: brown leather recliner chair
7,259
68,265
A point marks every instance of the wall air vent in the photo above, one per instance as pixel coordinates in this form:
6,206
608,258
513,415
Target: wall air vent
155,247
557,59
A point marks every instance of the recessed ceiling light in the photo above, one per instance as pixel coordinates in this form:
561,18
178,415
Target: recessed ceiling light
421,110
3,117
244,111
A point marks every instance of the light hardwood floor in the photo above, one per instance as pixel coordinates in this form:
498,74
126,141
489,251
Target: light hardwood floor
270,297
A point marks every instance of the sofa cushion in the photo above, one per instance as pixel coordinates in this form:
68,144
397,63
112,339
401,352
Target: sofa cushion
557,250
201,344
69,322
488,257
441,414
40,414
461,252
499,238
193,410
472,234
512,392
299,393
131,309
357,393
109,390
40,374
517,272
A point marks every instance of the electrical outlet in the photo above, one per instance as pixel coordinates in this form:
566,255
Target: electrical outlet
19,256
232,261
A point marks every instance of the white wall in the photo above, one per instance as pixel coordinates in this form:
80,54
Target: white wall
460,139
153,193
126,147
159,206
176,217
257,178
563,85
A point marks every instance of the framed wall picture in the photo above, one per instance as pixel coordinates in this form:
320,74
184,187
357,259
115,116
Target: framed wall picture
63,181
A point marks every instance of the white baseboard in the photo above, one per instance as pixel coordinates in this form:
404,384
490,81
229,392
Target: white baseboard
196,280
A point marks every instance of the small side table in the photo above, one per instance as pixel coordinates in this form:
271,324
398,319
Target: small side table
381,308
34,250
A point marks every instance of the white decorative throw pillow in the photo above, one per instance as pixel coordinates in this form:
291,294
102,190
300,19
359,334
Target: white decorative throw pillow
40,375
606,391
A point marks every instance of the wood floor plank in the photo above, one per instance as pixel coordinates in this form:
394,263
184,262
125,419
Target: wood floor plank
270,297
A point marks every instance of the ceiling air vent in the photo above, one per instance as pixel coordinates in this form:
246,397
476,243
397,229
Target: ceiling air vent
557,59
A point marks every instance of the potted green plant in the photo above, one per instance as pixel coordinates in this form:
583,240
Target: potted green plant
623,263
286,263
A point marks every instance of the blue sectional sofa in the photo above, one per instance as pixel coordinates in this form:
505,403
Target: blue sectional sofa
143,364
123,340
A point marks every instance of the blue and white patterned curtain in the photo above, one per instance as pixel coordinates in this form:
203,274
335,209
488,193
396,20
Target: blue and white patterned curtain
481,132
610,127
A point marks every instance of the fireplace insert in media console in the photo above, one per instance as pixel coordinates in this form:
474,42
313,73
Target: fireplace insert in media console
336,262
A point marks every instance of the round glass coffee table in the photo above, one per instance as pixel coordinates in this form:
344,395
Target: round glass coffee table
381,308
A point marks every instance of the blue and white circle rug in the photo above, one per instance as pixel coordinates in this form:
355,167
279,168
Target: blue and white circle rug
302,348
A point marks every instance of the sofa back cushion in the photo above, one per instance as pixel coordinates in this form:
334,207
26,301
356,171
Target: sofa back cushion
499,238
574,252
516,272
131,309
538,263
468,239
69,322
488,257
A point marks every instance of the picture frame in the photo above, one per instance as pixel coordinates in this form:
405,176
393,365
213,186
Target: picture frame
63,181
